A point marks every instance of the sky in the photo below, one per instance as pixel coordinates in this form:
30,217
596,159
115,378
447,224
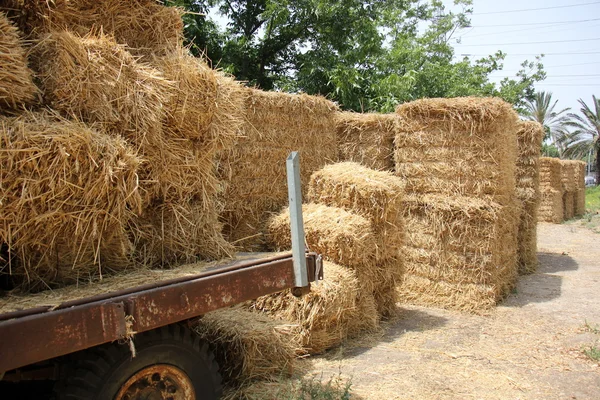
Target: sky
563,29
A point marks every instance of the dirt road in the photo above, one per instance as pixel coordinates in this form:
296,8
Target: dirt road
530,347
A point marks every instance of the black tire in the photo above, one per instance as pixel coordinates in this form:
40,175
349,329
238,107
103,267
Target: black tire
100,373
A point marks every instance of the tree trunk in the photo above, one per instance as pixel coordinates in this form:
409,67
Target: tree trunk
598,166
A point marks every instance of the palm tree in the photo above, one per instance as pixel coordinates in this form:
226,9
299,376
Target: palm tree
541,109
583,139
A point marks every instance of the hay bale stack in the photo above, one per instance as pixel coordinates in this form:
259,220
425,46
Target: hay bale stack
16,79
250,346
458,157
334,310
146,27
68,193
376,196
99,81
529,139
458,241
367,139
451,147
277,123
551,205
580,193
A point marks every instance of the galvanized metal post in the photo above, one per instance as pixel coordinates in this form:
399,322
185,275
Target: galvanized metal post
296,221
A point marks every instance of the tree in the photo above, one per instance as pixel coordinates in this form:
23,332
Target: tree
583,139
541,109
366,55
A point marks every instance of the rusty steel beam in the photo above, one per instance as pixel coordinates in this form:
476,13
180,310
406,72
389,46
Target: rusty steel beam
93,321
40,337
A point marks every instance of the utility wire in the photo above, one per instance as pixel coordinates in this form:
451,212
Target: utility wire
523,43
534,54
537,9
540,29
537,23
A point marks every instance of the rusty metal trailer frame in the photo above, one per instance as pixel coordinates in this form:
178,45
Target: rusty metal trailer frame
39,334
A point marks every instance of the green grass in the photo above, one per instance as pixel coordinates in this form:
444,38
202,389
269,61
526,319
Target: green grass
590,328
592,199
592,352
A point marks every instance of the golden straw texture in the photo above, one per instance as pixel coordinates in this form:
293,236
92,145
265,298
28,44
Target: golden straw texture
276,124
67,194
551,206
367,139
16,79
250,346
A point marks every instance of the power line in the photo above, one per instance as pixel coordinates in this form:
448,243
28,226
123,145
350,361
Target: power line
570,65
535,54
535,28
558,76
569,84
537,23
537,9
543,42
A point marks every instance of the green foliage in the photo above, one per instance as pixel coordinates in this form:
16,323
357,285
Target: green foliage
366,55
592,199
592,352
550,150
584,138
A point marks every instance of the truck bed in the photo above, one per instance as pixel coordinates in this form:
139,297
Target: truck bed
50,324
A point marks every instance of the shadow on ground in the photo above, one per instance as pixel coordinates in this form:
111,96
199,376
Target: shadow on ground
543,285
407,320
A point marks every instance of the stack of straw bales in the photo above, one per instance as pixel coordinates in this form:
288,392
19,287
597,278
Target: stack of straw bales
277,123
68,193
377,197
169,111
334,310
551,205
580,193
16,79
249,346
367,139
569,170
458,158
529,137
145,26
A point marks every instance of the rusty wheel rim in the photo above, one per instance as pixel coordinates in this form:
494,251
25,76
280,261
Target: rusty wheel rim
158,382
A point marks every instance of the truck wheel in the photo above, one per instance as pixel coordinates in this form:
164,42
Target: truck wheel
170,364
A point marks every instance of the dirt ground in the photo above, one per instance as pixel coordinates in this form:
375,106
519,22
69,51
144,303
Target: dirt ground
529,347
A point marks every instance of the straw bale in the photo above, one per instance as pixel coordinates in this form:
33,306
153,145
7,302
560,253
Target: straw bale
568,202
16,79
346,239
451,147
250,346
551,204
68,193
334,310
145,26
580,192
569,172
461,240
460,296
99,81
170,234
276,124
367,139
529,139
376,195
340,236
580,202
190,110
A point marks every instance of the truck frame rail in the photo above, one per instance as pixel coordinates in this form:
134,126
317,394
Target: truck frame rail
42,333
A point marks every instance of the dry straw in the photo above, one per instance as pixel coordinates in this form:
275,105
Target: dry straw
67,194
529,139
16,83
145,26
580,193
573,181
551,205
450,146
376,195
250,346
458,157
334,310
367,139
276,124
